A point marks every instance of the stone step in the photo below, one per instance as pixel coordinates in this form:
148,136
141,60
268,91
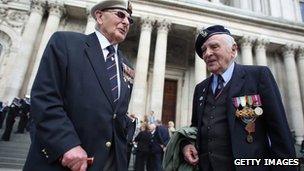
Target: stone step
10,166
12,159
13,145
13,154
14,148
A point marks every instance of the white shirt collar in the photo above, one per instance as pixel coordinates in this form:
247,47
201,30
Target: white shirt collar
226,76
104,42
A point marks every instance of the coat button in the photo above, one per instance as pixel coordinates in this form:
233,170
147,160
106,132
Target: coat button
114,116
108,144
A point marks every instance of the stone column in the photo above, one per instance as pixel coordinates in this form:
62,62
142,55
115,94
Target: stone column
29,35
301,70
257,6
260,52
288,11
245,4
297,8
216,1
200,69
90,28
55,12
294,94
275,8
246,50
159,67
142,64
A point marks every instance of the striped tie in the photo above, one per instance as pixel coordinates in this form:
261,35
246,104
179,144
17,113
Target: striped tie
219,87
112,72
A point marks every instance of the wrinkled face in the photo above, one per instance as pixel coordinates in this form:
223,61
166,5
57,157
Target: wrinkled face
218,54
113,24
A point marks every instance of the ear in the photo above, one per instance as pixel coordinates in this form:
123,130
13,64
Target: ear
99,16
234,48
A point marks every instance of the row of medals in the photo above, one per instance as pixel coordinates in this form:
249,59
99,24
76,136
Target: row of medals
248,110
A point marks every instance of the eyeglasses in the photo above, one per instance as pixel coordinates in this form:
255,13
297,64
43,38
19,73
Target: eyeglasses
121,15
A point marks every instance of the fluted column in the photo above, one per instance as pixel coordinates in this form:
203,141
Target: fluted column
275,8
288,11
257,6
216,1
298,14
142,64
200,69
55,12
301,70
260,51
90,28
294,94
200,65
245,5
24,55
159,68
246,50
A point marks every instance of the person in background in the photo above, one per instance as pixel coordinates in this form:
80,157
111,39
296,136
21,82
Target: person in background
13,111
171,128
3,112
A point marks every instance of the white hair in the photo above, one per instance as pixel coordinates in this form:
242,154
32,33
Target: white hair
230,42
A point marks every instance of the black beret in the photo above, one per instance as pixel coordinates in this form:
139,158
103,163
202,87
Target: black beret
204,35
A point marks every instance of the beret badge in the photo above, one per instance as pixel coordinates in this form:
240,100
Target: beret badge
203,33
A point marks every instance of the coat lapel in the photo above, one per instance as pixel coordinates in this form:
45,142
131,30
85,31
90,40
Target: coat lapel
202,100
237,83
96,58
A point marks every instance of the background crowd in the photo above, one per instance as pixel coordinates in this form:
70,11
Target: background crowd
9,113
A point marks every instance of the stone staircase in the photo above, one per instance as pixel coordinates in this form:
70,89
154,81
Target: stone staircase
13,153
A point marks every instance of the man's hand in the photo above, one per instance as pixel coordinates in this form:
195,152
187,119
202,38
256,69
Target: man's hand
190,154
75,159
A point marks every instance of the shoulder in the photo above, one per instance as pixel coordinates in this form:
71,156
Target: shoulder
203,84
252,69
67,35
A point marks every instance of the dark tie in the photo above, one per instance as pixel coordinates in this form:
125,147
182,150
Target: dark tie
112,72
220,86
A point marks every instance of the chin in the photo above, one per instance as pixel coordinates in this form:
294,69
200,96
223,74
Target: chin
120,38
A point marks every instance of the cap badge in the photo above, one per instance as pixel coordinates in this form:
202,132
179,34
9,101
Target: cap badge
204,33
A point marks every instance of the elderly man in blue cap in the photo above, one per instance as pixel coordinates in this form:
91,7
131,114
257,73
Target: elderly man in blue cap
80,97
238,111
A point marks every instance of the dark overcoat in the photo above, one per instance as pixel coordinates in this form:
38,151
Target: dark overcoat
72,104
272,137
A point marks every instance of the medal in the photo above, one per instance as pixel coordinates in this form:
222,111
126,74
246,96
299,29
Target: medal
258,111
250,128
243,101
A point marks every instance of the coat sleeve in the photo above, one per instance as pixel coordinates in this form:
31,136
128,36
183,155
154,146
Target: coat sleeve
281,141
55,131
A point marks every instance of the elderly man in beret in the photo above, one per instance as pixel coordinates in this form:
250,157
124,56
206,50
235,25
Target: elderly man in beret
238,111
80,97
